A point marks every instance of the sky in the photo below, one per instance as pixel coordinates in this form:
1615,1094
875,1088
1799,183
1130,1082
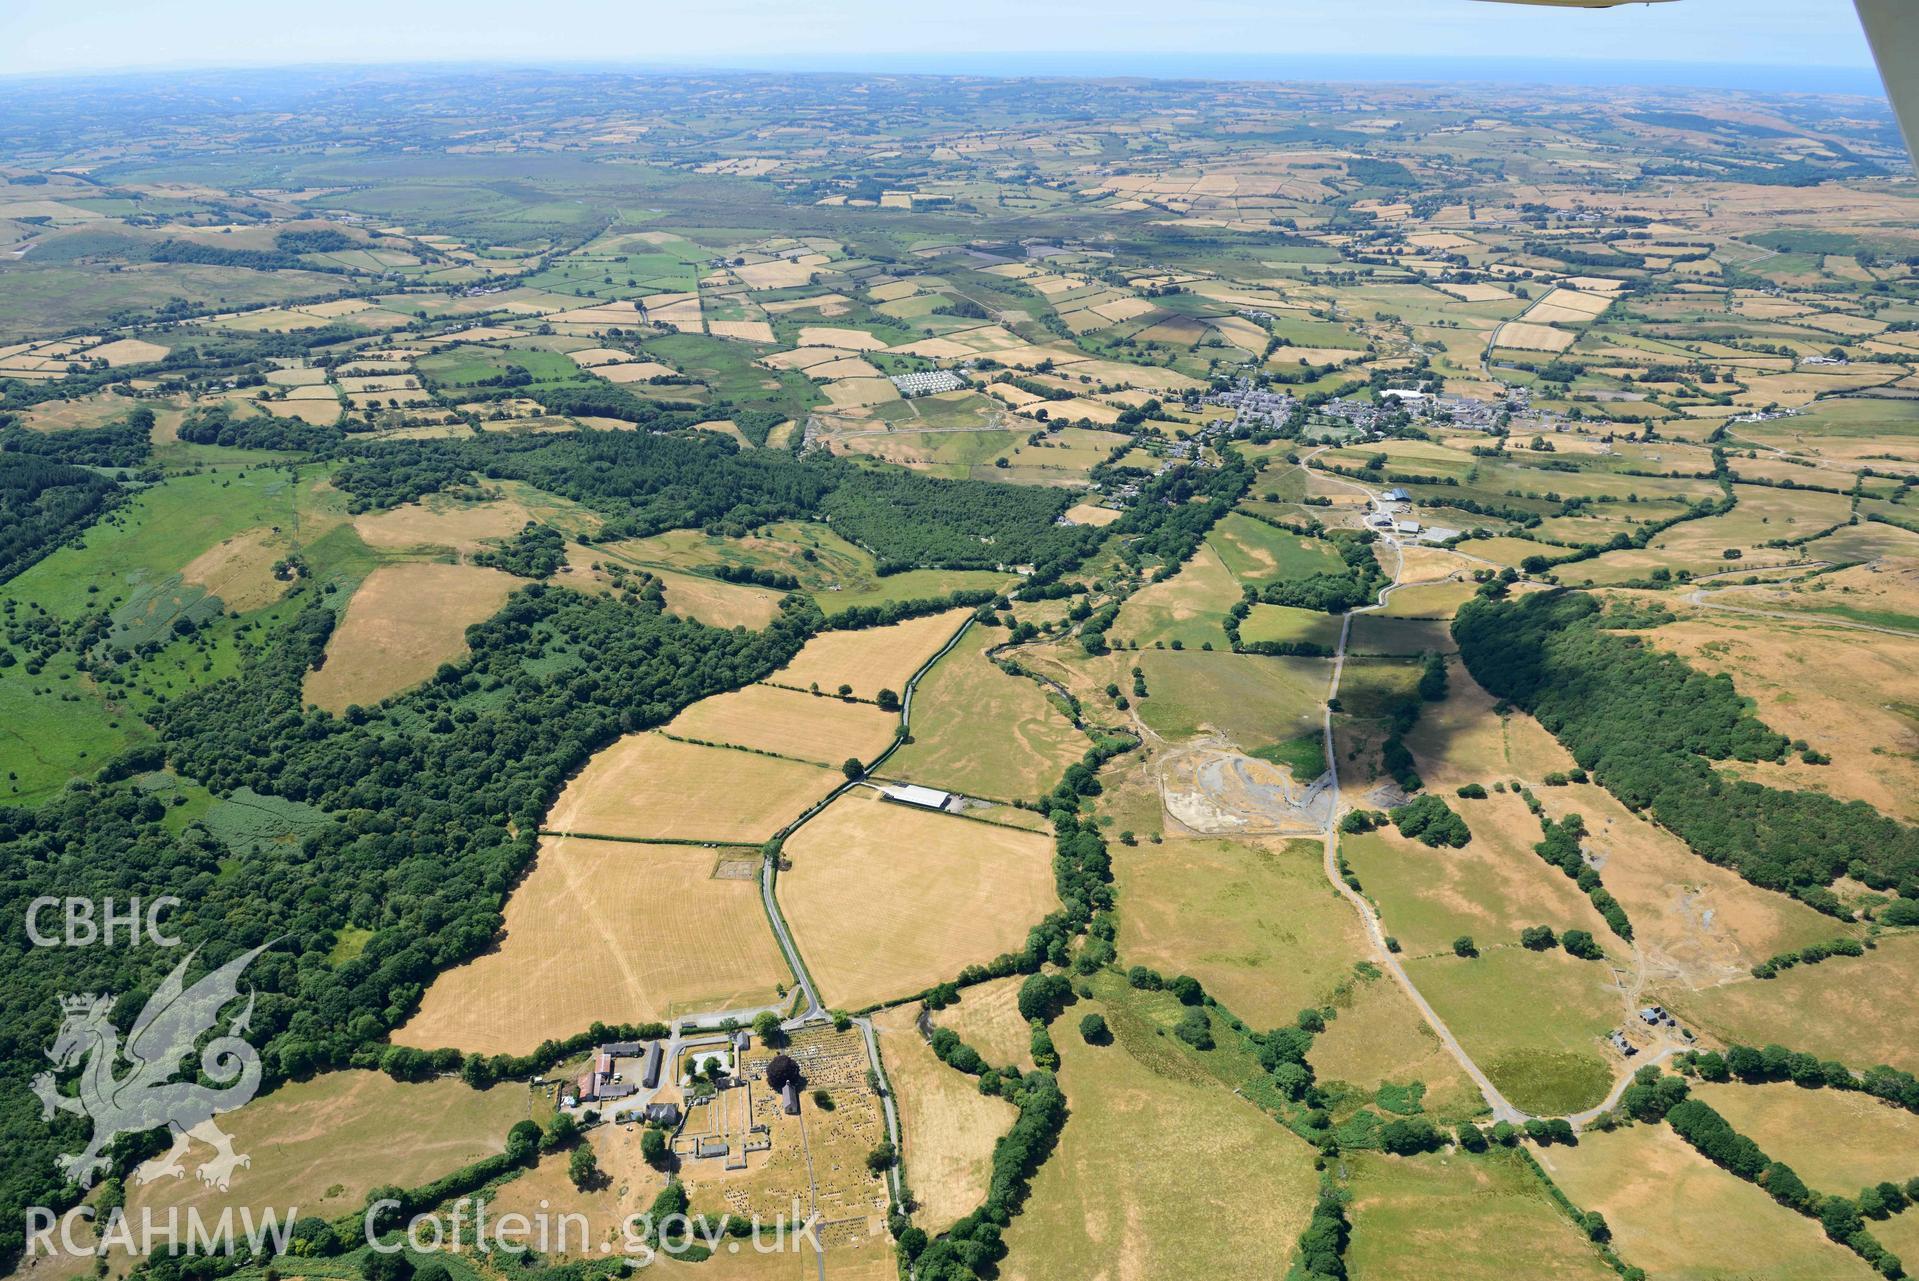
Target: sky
1181,37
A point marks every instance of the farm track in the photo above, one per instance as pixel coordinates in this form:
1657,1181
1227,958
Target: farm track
1502,1109
1705,600
1630,985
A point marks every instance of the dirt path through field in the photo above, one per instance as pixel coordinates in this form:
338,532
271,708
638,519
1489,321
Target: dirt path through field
1502,1109
1709,600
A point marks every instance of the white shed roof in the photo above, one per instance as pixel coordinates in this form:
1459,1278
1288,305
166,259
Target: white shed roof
914,794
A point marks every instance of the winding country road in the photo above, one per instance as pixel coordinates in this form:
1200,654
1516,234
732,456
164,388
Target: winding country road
769,869
813,1011
1502,1110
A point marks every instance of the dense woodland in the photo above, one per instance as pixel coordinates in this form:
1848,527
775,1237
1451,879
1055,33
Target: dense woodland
646,483
433,798
1648,727
43,504
126,443
218,424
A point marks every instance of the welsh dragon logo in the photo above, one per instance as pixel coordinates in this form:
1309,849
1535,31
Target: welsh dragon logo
169,1027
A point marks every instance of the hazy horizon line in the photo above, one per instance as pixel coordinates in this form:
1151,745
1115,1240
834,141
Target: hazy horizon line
1857,79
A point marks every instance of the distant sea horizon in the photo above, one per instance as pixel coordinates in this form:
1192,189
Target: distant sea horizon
1346,68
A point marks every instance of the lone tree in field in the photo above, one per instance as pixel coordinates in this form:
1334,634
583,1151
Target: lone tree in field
1463,946
888,701
386,1267
1094,1031
653,1147
583,1168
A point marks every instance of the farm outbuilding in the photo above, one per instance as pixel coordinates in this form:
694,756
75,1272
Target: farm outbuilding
912,794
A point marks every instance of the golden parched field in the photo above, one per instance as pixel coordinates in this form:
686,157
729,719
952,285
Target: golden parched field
1859,1009
948,1125
323,1144
240,569
1485,1216
1845,691
706,600
1492,889
718,604
885,900
870,660
648,787
1675,1214
612,931
1696,924
402,623
987,1018
442,522
809,727
1798,1126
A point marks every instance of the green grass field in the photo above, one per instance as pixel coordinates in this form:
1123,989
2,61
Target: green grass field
1278,938
1304,754
839,574
1283,623
980,731
1544,1052
62,722
1253,701
1255,552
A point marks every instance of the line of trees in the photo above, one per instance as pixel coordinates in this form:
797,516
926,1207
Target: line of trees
1561,849
1757,1066
1716,1140
1811,954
